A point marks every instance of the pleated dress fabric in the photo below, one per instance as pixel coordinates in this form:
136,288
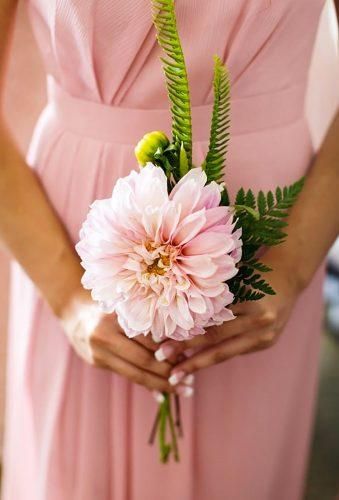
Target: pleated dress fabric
74,432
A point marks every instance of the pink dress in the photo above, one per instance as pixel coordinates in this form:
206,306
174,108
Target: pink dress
74,432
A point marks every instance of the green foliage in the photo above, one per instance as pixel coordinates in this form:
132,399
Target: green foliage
183,164
240,198
164,19
249,284
219,135
258,266
225,199
261,219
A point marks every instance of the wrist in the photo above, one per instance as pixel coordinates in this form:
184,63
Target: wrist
64,288
72,303
62,304
294,273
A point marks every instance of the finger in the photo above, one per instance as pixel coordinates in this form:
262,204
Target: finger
107,360
172,349
216,354
144,340
239,309
130,351
147,341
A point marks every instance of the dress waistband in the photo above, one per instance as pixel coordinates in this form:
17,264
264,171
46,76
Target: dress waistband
127,125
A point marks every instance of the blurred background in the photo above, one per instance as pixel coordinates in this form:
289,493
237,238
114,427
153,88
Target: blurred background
25,97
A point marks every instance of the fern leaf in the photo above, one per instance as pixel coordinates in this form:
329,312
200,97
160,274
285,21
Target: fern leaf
225,199
164,19
270,199
278,194
240,197
258,266
250,199
251,295
219,134
247,285
262,204
249,210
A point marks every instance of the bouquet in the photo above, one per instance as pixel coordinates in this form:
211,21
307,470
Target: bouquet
169,252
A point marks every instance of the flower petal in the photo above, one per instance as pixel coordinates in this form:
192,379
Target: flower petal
196,174
180,313
209,196
170,221
197,304
189,227
212,244
198,265
187,197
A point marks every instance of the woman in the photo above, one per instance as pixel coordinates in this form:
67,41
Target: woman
75,430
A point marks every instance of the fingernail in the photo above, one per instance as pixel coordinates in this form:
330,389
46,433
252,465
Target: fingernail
157,340
189,352
158,396
164,352
185,391
176,377
189,379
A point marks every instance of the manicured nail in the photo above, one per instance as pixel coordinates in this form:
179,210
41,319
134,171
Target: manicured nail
164,352
158,396
189,379
176,377
185,391
189,352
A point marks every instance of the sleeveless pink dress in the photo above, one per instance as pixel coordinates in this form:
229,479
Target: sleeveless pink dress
74,432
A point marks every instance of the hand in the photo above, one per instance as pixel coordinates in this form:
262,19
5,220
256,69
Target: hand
257,326
98,339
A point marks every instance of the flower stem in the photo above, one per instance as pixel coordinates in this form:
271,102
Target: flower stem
178,422
173,430
154,428
165,448
163,423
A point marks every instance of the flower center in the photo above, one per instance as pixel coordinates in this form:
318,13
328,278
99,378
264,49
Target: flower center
160,265
159,258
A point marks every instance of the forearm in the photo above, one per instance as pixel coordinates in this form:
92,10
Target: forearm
314,220
336,2
31,230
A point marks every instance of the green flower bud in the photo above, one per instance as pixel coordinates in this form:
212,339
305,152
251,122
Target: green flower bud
148,145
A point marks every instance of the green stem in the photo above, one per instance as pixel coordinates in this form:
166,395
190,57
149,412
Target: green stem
173,430
164,421
177,420
154,428
164,447
247,209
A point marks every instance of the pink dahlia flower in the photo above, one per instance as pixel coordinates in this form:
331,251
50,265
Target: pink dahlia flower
161,261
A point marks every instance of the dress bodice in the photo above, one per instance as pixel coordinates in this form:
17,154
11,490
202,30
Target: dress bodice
106,50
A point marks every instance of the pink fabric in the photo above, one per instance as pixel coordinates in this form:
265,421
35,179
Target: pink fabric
21,111
78,433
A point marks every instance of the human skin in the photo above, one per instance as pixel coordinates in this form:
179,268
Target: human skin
313,226
337,6
34,235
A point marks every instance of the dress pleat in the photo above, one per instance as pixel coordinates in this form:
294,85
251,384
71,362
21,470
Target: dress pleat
75,432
